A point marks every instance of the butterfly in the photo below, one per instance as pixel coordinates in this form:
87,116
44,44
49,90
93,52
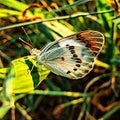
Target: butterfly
72,56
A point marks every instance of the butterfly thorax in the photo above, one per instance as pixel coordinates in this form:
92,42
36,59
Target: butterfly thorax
35,52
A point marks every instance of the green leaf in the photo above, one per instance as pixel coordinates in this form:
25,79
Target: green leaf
14,4
116,20
105,19
51,86
4,107
24,76
116,60
76,3
3,110
44,29
3,72
110,113
7,12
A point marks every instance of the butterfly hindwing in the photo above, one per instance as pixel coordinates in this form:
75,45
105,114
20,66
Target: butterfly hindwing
73,66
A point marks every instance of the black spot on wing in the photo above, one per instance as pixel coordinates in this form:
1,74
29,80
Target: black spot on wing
72,51
68,72
78,65
75,69
71,47
75,55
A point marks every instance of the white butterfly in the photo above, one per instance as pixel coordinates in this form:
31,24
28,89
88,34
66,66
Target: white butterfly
72,56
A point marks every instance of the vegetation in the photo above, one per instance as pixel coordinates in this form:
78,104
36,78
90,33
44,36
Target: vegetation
33,93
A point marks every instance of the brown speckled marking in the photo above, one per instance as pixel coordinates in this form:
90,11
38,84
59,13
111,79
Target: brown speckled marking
78,60
75,55
72,51
88,45
71,47
75,69
78,37
62,58
67,45
85,41
90,65
86,71
78,65
68,72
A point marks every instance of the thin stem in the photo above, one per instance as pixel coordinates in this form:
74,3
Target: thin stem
12,109
13,112
56,18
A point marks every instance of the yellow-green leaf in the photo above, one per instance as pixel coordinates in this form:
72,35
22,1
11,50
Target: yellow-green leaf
24,76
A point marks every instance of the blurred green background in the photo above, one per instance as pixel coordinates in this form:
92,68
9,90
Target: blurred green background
34,94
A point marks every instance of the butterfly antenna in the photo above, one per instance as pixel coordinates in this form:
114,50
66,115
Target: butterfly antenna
25,42
26,34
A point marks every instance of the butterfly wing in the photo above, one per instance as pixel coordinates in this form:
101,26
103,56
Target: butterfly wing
73,56
94,40
74,66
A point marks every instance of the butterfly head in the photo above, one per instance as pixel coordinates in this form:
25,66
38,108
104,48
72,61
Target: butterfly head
35,52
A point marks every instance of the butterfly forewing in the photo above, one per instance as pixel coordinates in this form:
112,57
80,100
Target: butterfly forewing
92,39
73,56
